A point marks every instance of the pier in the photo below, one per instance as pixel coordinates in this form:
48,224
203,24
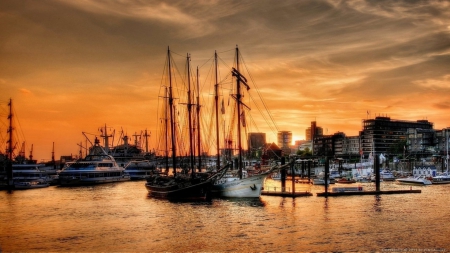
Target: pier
349,193
285,192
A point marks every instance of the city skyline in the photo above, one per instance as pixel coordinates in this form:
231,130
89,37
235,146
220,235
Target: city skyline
74,66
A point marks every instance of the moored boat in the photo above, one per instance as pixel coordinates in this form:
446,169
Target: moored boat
443,178
96,168
346,181
28,176
418,180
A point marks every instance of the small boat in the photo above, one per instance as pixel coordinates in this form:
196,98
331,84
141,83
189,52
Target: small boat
320,181
387,175
28,176
345,181
348,189
443,178
22,185
276,176
96,168
418,180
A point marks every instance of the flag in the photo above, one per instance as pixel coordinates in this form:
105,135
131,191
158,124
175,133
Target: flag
223,107
243,118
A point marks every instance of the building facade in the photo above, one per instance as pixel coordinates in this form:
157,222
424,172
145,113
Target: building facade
380,134
284,141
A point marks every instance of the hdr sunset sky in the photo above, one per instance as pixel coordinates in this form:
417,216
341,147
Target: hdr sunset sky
73,66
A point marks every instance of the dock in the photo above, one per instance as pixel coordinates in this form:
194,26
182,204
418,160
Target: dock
349,193
278,191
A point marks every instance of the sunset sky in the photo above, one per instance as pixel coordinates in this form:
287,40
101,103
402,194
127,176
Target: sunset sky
73,66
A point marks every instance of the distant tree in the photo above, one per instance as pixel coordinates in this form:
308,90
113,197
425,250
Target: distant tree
305,152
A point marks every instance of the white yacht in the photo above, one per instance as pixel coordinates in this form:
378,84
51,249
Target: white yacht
443,178
418,180
97,167
28,176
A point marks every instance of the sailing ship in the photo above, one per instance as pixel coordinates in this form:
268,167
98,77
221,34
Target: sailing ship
240,183
21,172
185,184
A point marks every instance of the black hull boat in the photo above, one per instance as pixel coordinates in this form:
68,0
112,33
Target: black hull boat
180,187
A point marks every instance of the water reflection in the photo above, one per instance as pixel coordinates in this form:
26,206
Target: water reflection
377,203
251,202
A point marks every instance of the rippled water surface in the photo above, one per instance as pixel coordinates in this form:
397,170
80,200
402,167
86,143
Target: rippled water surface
121,217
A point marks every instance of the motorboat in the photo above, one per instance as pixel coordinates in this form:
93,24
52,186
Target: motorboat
387,175
345,181
320,181
276,176
417,180
96,168
28,176
443,178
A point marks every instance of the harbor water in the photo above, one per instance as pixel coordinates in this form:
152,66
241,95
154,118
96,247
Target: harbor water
120,217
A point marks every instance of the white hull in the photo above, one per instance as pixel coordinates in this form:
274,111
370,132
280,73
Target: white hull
249,187
320,181
445,179
414,180
67,181
30,185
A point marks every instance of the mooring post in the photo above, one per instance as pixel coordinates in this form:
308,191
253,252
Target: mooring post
283,175
309,170
303,168
377,173
327,170
293,175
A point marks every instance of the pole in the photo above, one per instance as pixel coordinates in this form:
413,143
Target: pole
216,100
293,175
283,175
9,172
377,173
327,171
198,124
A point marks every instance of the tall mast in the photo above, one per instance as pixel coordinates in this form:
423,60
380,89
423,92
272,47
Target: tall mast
198,124
146,141
216,97
239,79
238,98
31,153
106,138
10,147
191,148
53,156
171,115
166,125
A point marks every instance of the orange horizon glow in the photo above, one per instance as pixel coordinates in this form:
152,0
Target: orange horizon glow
74,66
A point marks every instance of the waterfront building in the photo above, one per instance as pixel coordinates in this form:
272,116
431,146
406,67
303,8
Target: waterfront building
312,131
420,141
440,145
380,134
284,141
